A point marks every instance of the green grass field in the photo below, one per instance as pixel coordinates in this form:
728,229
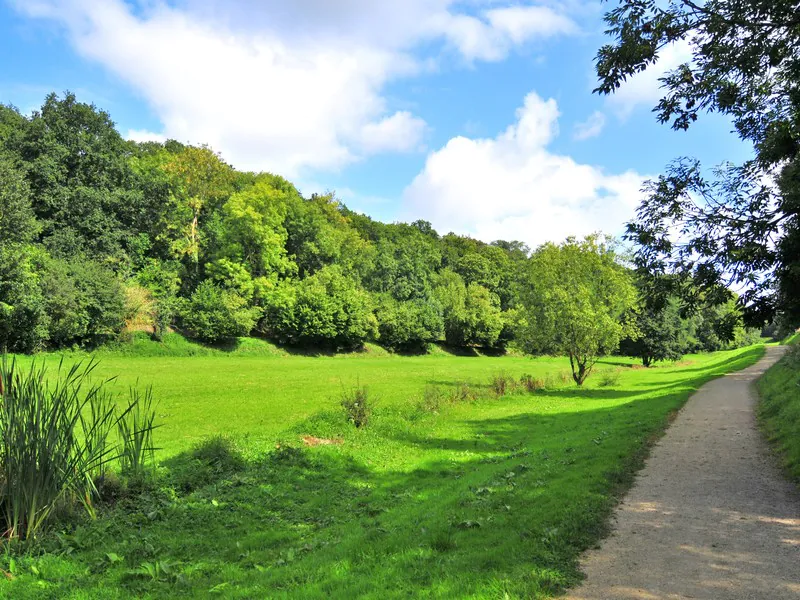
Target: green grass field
779,410
487,498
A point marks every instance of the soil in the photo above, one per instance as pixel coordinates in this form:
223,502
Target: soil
710,516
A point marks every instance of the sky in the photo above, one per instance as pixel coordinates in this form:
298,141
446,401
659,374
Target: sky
475,115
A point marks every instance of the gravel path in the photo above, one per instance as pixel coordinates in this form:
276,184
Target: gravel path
710,516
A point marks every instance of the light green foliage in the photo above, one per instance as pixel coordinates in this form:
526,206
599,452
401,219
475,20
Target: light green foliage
779,410
408,326
472,314
200,182
405,263
213,313
326,309
578,302
24,318
254,233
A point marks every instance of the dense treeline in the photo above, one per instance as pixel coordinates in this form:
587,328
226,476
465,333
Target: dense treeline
99,234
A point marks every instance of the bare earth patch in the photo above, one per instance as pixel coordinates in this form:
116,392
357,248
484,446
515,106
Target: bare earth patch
310,440
710,516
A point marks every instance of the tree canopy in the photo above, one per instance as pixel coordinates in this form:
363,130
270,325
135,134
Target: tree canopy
736,225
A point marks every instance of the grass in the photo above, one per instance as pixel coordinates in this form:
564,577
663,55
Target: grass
779,409
480,498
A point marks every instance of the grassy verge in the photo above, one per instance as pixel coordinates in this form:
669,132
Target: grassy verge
779,409
458,498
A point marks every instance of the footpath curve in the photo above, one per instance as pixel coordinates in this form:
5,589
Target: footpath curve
710,516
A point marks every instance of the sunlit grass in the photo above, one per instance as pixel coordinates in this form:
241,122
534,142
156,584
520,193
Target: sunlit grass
490,498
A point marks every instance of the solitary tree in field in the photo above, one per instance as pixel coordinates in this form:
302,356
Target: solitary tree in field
578,301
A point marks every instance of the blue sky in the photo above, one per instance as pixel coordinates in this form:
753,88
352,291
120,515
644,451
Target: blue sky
476,115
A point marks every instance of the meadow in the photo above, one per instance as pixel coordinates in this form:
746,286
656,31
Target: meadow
451,490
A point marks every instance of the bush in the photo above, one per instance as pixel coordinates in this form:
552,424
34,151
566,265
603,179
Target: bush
502,384
408,326
325,310
358,406
214,314
472,314
85,302
531,383
212,460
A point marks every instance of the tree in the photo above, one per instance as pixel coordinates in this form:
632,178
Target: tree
741,225
77,166
577,301
201,182
472,315
17,220
662,334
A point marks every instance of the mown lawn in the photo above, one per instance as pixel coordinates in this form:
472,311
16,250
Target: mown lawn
486,498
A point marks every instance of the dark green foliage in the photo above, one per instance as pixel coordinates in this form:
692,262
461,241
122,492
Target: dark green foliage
736,226
24,316
214,459
213,313
662,334
17,221
85,302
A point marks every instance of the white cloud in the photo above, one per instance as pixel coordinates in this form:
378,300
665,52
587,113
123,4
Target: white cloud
142,135
286,86
402,132
645,88
591,127
512,187
493,36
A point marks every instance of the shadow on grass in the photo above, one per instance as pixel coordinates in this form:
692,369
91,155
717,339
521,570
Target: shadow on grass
502,507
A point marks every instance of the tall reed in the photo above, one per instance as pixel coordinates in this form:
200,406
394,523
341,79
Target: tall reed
55,440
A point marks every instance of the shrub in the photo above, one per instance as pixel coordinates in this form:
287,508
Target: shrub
214,314
502,384
610,378
357,406
85,302
432,399
462,392
410,325
325,310
531,383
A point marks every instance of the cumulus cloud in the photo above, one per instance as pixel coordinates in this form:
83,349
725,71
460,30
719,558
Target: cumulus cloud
512,187
492,35
402,132
591,127
286,86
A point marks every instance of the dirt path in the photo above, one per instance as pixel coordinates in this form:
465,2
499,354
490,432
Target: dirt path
710,516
